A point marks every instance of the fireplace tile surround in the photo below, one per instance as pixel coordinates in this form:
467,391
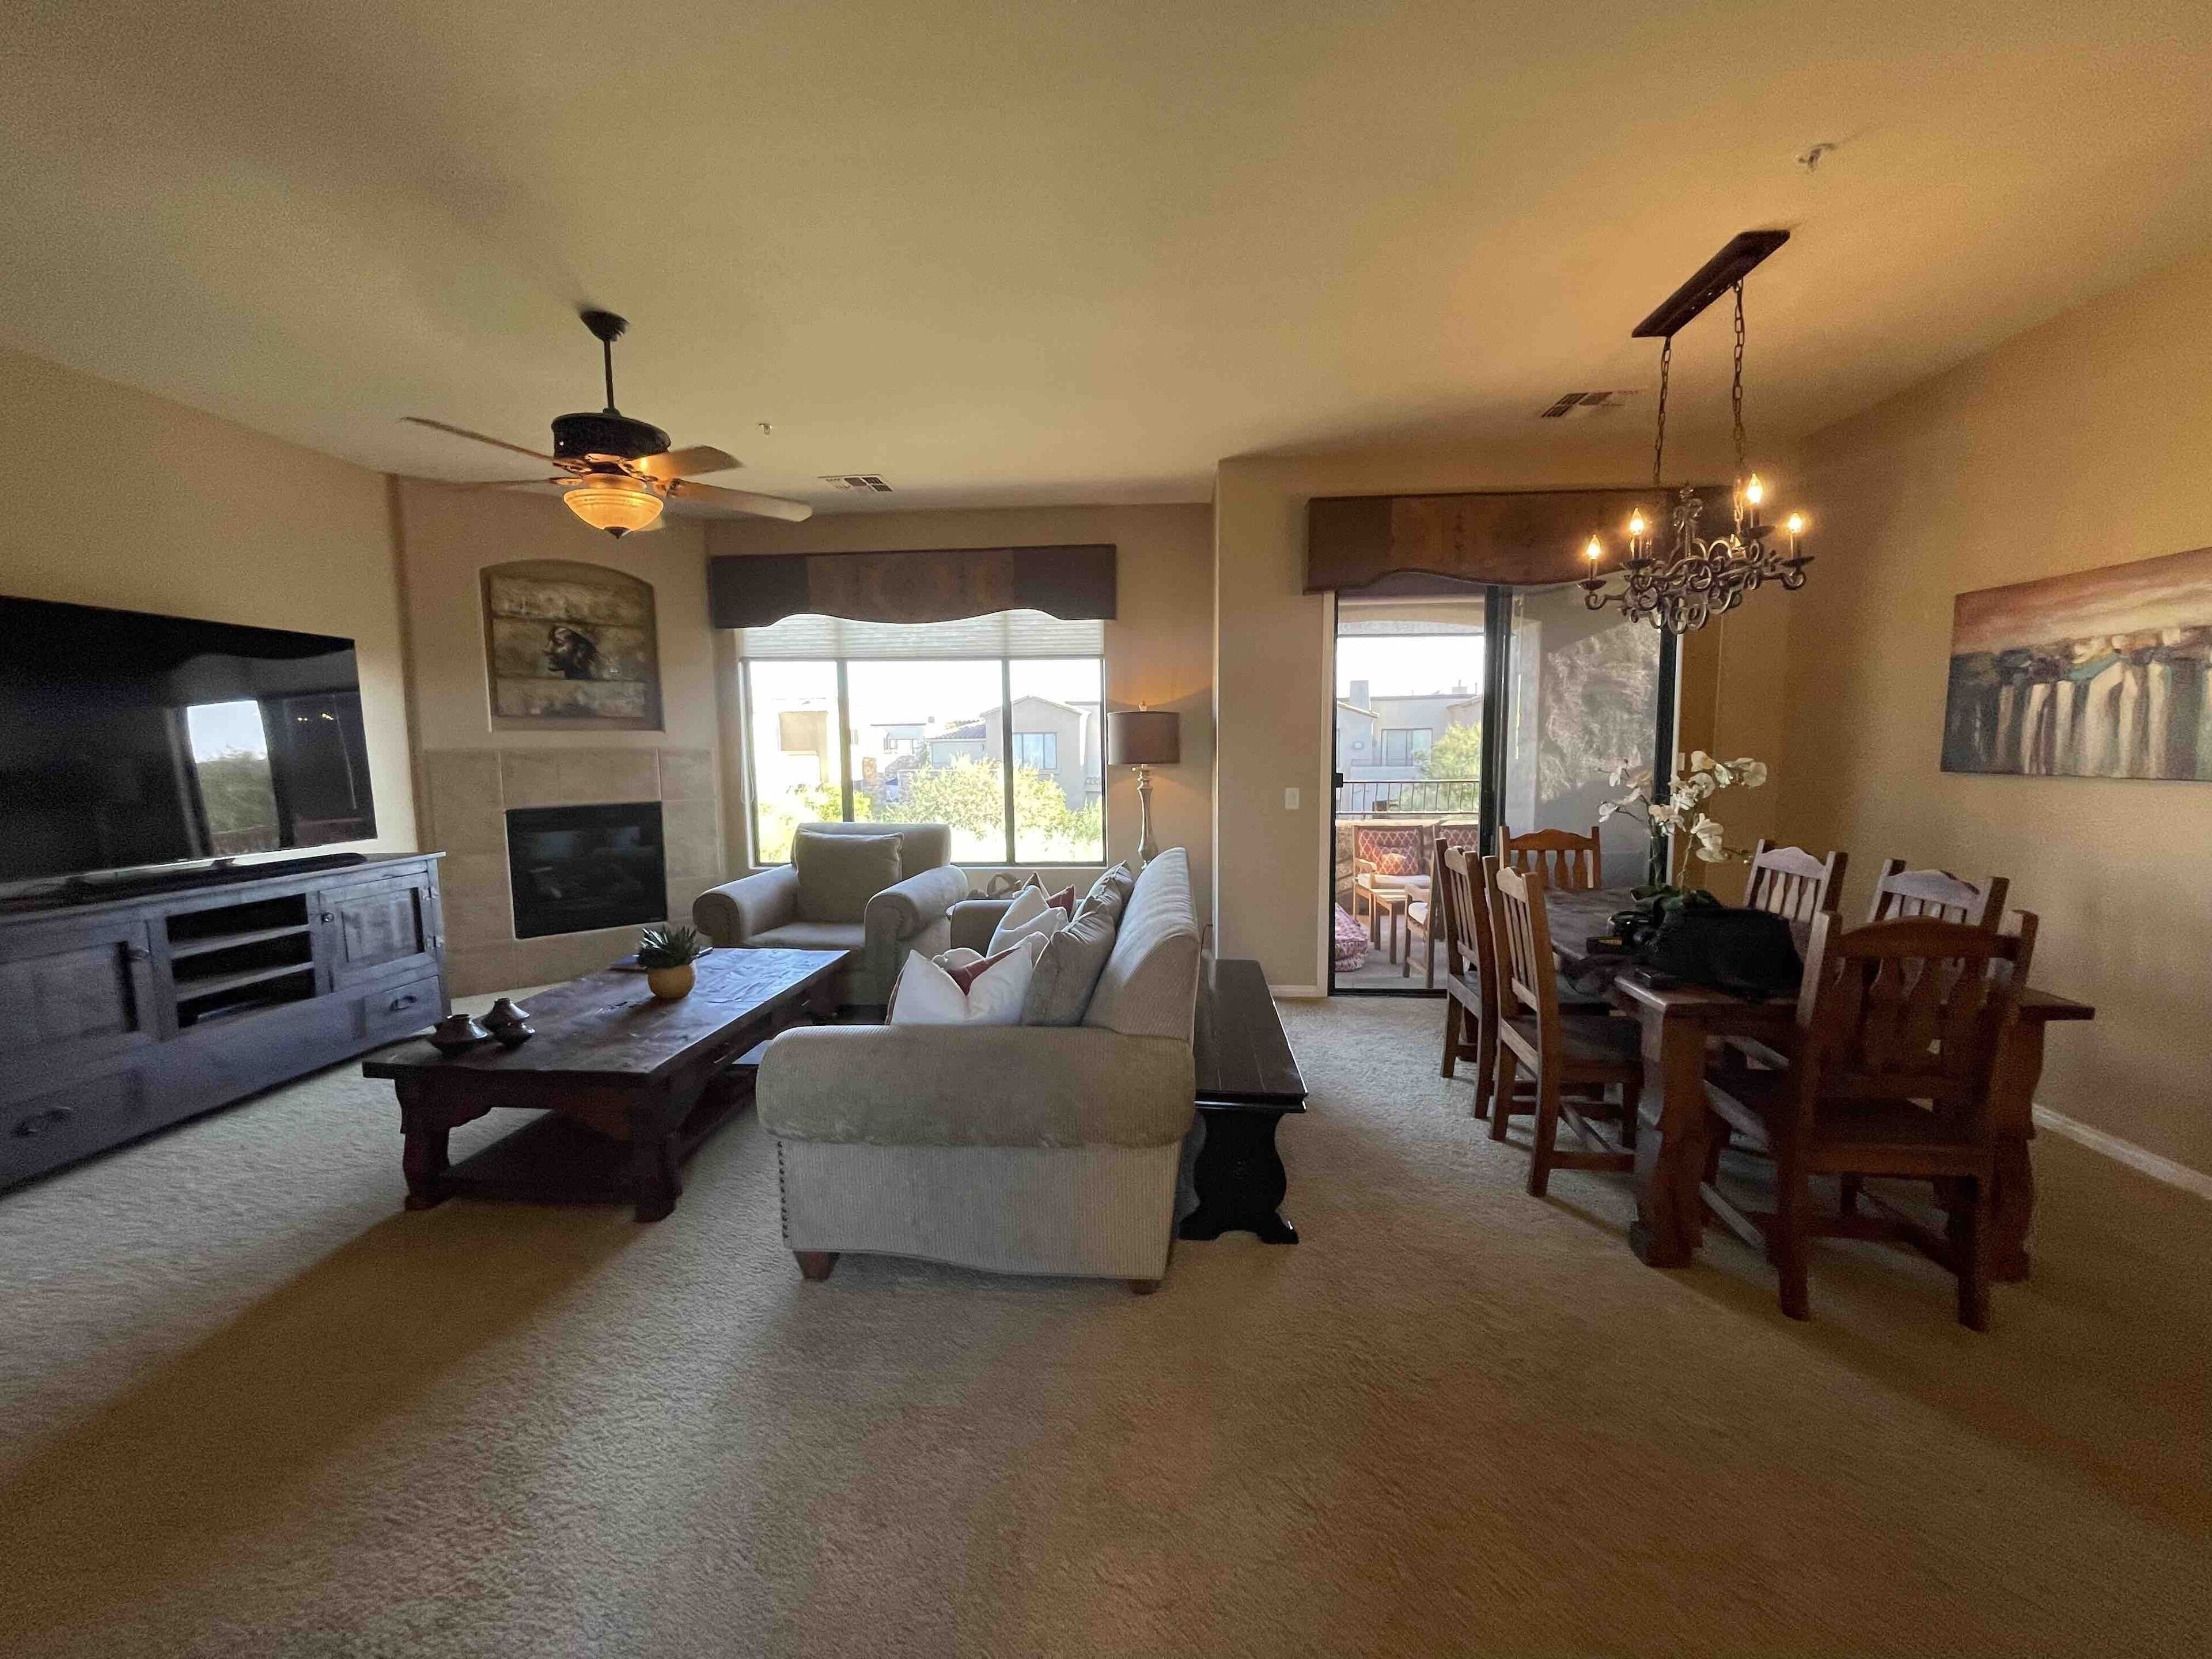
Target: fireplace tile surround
466,795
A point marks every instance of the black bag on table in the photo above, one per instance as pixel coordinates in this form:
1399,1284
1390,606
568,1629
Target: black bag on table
1694,937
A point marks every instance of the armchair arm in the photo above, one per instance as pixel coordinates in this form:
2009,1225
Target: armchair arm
974,922
901,911
737,910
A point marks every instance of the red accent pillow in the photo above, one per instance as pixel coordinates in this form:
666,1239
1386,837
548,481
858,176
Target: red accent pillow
965,978
1063,901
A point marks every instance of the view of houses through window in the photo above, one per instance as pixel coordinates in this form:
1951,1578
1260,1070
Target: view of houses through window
1409,719
926,741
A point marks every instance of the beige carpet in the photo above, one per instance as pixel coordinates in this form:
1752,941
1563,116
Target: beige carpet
250,1407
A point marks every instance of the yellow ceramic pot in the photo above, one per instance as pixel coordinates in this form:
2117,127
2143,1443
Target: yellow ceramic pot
670,983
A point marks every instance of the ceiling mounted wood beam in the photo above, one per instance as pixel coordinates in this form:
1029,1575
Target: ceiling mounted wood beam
1715,277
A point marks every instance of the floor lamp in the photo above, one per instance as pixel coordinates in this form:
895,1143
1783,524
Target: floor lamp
1143,738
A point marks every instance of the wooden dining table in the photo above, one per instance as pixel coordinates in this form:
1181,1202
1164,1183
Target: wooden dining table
1673,1131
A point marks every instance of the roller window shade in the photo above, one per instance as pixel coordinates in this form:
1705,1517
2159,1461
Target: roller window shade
1002,634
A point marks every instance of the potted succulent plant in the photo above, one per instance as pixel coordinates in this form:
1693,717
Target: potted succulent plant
667,955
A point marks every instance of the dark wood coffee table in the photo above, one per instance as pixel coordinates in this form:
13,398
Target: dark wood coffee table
609,1064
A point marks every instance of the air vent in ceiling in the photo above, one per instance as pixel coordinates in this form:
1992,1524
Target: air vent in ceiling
1573,404
856,481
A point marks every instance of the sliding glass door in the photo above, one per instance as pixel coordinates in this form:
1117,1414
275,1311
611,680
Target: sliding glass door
1586,693
1457,715
1412,699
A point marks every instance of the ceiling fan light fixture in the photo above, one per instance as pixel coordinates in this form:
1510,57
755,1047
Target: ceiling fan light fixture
614,504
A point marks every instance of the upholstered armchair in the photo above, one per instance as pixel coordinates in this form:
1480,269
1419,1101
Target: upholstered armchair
773,910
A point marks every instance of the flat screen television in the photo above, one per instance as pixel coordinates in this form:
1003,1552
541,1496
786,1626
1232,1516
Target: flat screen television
128,739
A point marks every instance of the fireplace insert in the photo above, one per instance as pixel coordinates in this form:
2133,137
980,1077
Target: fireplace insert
575,868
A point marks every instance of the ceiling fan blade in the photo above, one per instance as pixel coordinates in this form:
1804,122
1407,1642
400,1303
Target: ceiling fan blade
739,501
463,432
506,484
688,463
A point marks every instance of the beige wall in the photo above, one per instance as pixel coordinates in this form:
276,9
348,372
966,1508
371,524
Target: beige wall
1732,703
2084,443
1271,657
1158,649
471,772
449,535
189,514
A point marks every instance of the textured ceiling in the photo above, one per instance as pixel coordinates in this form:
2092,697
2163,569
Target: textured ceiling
1051,252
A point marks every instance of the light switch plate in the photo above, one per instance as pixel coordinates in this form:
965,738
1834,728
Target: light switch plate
1289,800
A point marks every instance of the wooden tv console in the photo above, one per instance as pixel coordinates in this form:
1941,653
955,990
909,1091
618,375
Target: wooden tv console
123,1015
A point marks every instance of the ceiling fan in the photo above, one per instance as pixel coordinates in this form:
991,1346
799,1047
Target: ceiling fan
616,472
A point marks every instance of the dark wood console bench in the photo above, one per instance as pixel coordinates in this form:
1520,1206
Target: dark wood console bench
1248,1079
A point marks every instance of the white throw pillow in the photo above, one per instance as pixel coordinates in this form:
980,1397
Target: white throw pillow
1028,914
928,995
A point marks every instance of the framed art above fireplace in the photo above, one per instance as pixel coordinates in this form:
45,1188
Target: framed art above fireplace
570,647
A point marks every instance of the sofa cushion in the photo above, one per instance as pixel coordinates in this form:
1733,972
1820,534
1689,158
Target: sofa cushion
810,936
987,992
1110,892
975,1085
838,874
1029,914
921,846
965,974
1149,986
1067,972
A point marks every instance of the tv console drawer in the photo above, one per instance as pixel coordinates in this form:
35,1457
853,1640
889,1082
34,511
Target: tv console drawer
58,1125
389,1012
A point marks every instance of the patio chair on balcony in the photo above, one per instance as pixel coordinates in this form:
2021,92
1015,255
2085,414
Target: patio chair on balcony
1418,909
1389,866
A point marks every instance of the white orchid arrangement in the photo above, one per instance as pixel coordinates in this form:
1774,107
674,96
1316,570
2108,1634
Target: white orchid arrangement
1682,813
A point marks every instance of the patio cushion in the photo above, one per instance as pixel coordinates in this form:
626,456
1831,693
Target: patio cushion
1375,884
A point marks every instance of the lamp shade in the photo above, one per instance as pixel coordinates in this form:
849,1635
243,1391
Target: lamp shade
1144,737
615,505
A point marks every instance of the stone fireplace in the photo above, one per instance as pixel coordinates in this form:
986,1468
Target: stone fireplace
571,869
586,809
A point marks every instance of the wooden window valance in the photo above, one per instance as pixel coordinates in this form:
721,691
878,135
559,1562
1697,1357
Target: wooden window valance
1074,583
1515,538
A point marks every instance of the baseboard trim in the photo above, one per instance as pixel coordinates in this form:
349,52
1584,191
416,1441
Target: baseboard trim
2126,1151
1295,992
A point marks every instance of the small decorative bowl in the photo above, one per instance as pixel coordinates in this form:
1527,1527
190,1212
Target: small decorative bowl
514,1034
456,1034
505,1015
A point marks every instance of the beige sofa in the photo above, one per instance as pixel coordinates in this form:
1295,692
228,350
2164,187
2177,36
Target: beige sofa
1018,1149
760,912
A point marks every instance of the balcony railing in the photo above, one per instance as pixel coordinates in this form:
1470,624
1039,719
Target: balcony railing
1418,798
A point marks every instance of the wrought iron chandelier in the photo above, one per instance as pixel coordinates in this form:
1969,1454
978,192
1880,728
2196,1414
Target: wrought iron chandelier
1686,581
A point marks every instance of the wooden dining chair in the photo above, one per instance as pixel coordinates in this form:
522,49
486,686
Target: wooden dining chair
1889,1068
1470,979
1793,883
1939,894
1586,1053
1568,862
